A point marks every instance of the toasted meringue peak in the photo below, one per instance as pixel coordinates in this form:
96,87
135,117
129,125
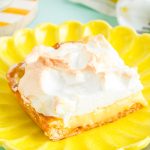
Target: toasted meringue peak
77,78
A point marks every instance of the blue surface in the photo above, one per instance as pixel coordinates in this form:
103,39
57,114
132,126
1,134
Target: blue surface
58,11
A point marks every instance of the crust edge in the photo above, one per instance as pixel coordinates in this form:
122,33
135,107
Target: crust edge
54,127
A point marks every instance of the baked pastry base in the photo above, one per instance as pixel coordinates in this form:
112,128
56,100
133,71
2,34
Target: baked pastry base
55,128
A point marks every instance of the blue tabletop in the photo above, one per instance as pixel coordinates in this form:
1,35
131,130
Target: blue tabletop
58,11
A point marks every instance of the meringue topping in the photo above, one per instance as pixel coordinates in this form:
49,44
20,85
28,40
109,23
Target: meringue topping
77,78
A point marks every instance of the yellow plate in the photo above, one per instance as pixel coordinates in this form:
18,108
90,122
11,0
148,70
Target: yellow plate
18,131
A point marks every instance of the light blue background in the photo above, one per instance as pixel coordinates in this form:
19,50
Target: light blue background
58,11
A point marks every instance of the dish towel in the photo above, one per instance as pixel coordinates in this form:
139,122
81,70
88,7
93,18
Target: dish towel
104,6
16,15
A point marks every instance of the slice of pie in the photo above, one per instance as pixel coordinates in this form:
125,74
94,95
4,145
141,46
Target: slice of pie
76,86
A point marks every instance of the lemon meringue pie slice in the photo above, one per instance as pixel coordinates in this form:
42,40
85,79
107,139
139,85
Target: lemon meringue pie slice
76,86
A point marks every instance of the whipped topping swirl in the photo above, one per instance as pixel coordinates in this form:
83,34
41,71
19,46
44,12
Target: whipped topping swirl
77,78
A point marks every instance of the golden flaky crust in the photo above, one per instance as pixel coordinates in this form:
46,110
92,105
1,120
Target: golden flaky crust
54,127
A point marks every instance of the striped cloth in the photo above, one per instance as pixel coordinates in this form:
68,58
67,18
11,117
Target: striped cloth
19,13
